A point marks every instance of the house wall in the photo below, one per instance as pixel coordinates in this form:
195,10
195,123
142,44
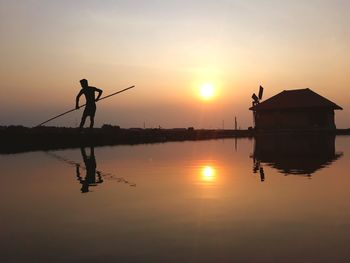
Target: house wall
295,119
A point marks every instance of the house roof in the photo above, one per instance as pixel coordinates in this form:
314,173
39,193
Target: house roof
294,99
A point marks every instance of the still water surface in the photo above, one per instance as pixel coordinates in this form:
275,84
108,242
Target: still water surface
207,201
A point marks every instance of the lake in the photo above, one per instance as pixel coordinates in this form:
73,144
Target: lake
232,200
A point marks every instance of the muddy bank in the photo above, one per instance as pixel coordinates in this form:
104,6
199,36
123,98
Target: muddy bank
21,139
14,139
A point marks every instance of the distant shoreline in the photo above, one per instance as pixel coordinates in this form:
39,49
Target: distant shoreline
16,139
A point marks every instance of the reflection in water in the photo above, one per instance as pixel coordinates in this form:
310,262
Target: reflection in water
92,177
198,199
207,180
294,154
208,174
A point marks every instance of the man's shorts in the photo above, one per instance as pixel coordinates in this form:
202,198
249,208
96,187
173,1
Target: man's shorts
90,110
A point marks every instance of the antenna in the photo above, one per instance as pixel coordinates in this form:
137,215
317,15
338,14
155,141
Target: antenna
255,98
261,91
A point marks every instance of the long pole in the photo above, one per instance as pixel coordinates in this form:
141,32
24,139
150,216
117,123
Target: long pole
64,113
73,163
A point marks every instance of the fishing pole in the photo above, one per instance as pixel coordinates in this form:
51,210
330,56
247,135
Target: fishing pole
64,113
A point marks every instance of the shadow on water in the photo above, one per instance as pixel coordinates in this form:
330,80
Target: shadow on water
93,177
294,154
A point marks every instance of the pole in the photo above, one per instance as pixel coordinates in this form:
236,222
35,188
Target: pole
64,113
73,163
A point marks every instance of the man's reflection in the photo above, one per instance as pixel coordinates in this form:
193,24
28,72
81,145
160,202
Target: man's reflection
92,177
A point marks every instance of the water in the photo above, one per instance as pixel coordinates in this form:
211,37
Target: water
205,201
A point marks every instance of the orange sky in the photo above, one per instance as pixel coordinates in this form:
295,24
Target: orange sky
168,49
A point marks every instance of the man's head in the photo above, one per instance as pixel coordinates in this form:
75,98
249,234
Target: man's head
84,83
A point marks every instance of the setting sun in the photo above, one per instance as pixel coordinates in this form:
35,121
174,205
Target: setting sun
207,91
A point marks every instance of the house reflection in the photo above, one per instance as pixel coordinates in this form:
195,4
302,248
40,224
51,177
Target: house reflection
297,154
92,176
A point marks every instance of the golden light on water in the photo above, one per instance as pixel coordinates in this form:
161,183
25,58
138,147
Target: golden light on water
208,174
208,181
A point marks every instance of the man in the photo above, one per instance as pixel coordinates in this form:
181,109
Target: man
90,107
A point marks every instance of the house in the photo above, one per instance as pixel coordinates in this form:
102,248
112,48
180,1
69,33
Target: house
300,109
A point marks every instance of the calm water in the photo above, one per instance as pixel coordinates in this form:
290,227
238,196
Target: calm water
207,201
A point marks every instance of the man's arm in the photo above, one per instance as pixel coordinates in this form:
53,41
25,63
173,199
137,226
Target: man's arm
99,93
77,99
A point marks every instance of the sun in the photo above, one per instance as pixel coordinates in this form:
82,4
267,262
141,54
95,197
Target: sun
207,91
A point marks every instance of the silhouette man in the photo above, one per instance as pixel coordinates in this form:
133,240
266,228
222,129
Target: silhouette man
90,166
90,107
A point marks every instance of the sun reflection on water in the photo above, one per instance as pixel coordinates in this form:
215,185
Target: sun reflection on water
208,174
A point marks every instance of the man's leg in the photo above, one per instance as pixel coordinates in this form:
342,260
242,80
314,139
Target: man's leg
92,121
83,118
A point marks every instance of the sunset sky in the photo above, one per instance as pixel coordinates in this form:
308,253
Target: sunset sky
169,49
